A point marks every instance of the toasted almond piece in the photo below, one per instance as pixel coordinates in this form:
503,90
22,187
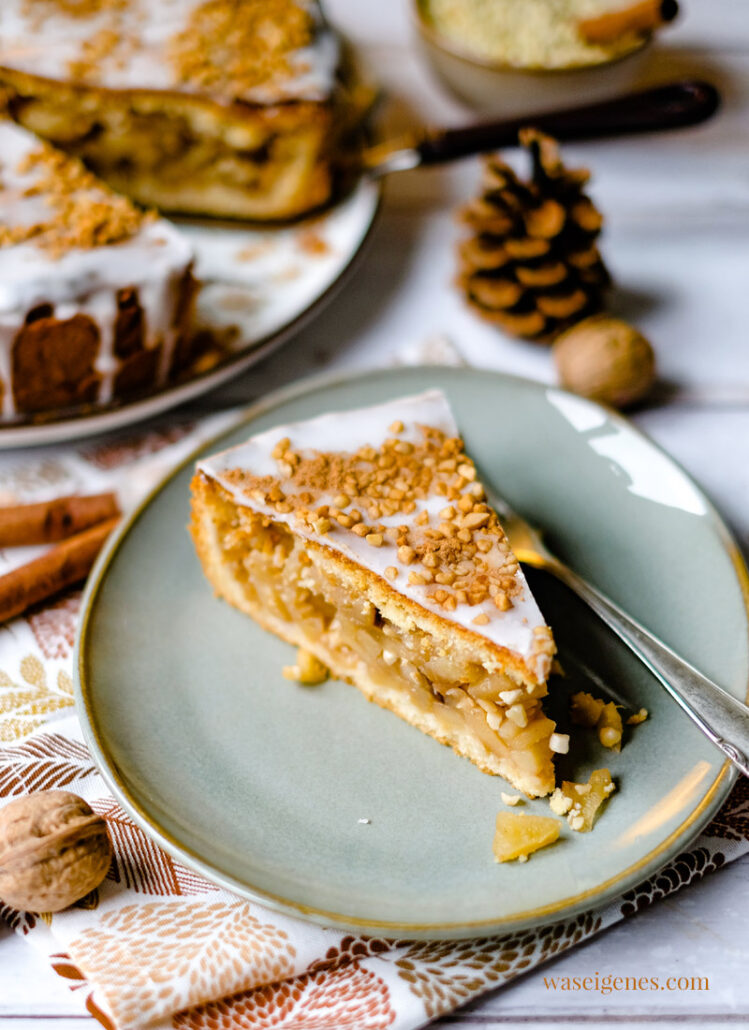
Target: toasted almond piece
511,799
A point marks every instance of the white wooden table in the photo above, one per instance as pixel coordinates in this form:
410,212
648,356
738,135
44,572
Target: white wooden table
677,241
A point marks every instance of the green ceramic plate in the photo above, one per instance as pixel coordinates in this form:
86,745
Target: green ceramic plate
263,785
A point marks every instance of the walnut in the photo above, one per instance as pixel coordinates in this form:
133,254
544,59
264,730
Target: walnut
606,359
53,850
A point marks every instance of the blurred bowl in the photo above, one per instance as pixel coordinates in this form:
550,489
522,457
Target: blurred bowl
498,87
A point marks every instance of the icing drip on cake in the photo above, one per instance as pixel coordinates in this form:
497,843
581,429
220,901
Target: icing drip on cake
68,242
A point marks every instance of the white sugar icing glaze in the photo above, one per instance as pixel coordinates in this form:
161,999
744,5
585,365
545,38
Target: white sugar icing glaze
39,40
512,629
82,281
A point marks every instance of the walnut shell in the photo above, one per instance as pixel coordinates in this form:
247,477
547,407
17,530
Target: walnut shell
53,850
606,359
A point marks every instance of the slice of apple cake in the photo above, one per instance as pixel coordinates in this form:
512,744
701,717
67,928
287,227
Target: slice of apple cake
365,538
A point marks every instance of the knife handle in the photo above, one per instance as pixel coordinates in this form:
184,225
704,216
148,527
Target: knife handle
666,107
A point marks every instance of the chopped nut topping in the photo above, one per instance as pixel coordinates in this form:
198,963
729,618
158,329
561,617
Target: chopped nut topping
559,803
511,799
509,697
475,519
84,213
560,743
228,48
518,715
464,553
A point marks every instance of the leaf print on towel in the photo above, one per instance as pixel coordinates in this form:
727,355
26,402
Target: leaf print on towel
150,960
732,822
687,868
43,763
349,949
348,998
139,864
64,967
445,974
27,705
54,626
21,922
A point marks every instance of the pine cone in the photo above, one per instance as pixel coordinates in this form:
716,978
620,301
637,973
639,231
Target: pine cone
532,266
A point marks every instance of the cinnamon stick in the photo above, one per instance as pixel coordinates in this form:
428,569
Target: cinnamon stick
50,521
66,563
638,19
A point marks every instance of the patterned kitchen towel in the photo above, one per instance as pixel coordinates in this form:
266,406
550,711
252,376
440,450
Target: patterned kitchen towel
158,946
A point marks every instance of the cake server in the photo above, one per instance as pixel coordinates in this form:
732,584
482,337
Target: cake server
722,718
673,106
